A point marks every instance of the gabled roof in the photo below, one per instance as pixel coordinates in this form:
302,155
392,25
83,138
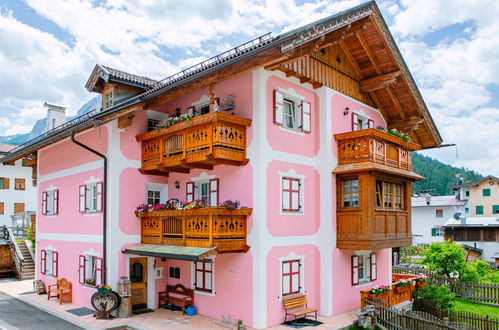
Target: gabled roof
5,148
476,182
473,222
421,201
108,74
362,32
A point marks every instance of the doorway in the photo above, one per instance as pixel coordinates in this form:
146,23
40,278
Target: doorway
138,277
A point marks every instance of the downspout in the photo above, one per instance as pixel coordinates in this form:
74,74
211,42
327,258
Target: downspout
104,206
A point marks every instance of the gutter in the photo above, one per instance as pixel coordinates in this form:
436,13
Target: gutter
104,207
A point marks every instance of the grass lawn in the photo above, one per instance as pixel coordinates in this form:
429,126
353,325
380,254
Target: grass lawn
468,306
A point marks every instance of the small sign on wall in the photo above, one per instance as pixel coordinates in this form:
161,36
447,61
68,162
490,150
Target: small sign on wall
158,273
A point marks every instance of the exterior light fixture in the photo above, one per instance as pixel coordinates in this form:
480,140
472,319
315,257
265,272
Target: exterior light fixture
177,185
345,112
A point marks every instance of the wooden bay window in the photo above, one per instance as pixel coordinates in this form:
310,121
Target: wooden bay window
389,195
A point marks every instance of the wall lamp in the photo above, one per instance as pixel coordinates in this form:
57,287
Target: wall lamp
177,185
345,112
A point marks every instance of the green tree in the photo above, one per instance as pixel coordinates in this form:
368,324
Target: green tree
440,296
445,259
480,272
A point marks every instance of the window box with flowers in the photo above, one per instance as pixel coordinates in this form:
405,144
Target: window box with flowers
420,282
403,285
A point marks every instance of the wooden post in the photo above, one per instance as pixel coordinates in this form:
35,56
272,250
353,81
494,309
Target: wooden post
184,227
211,230
212,96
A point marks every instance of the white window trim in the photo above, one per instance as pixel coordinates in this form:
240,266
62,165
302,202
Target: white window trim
203,101
161,187
292,175
193,278
292,256
50,190
156,115
50,249
92,181
293,96
366,254
364,117
203,176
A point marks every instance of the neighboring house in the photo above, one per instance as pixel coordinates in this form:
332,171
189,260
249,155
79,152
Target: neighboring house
429,214
483,196
285,125
479,233
17,187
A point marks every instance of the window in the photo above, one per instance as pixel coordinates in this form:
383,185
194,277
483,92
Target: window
479,209
18,208
90,270
50,202
207,190
19,184
495,209
2,208
153,197
389,195
203,276
91,197
49,262
364,268
4,183
151,124
360,122
350,189
108,100
467,193
437,232
439,213
53,122
291,112
174,272
466,210
486,192
291,199
291,277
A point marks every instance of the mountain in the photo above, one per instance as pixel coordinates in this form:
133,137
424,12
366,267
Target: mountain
439,176
39,127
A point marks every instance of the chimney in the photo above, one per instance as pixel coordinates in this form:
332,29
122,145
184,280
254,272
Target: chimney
428,199
56,116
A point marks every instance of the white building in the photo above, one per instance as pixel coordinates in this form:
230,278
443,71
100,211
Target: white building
17,192
429,214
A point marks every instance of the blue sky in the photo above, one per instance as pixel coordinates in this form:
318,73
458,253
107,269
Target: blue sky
48,49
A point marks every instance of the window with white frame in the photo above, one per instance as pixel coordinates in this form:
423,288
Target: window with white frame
291,194
49,262
360,122
91,197
203,276
291,277
292,112
50,202
206,190
437,232
364,268
153,197
90,270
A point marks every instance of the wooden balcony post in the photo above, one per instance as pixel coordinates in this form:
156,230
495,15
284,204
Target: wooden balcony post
212,96
184,142
184,229
211,230
161,230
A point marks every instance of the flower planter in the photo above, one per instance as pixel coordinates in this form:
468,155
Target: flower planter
420,285
402,289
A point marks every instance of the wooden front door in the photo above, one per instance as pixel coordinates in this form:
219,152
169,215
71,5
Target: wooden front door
138,277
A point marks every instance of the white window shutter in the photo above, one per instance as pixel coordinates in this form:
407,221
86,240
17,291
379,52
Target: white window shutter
98,271
189,192
81,269
374,270
55,263
355,122
44,202
355,270
370,123
190,111
278,108
55,207
214,192
306,117
100,194
83,198
43,260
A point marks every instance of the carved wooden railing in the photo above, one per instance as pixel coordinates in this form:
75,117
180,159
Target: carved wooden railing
211,139
395,295
372,145
206,227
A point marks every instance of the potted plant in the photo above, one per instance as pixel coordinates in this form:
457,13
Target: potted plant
403,285
104,288
90,282
379,291
420,282
231,205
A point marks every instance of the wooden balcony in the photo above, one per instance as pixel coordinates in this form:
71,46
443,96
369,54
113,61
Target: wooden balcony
206,227
202,142
377,148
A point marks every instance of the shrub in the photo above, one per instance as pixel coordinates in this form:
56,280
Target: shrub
440,296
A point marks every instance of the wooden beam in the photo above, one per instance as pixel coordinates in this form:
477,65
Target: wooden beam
407,125
212,96
379,82
125,121
344,48
368,52
396,102
380,107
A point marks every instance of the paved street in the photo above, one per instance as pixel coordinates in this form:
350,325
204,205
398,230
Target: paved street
15,314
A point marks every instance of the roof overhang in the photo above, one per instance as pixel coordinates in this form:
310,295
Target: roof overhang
172,252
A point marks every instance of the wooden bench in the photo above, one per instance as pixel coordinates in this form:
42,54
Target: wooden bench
8,269
61,290
177,294
295,302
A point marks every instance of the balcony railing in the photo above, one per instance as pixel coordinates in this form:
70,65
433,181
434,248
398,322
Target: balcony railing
202,142
372,145
395,295
206,227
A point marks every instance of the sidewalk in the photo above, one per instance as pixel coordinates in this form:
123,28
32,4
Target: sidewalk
159,319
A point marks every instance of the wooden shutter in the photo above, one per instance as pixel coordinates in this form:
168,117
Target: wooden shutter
43,260
278,108
98,272
190,111
55,263
99,196
83,198
6,183
355,122
374,267
370,123
56,202
214,192
189,192
355,270
306,117
2,208
44,202
81,269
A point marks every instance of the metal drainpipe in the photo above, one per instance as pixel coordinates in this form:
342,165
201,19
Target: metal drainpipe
104,206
